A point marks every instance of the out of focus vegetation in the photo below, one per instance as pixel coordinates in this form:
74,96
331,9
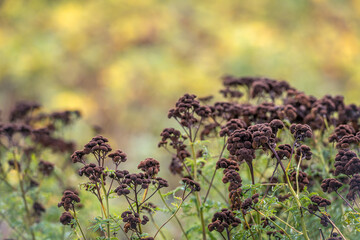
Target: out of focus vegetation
124,62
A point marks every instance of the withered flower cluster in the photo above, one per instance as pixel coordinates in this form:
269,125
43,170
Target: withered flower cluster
102,182
302,180
27,132
249,129
224,220
68,202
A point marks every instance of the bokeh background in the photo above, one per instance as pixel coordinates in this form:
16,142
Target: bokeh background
123,64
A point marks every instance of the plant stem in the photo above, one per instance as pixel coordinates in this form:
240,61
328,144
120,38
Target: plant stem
107,205
23,196
213,176
157,227
177,219
346,201
296,197
174,214
77,221
199,205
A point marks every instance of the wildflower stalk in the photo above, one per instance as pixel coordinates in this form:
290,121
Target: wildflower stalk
174,214
292,191
199,205
106,195
23,196
276,224
177,219
77,221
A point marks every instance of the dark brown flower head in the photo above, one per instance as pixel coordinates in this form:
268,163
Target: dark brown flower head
341,131
249,202
184,109
137,179
303,152
66,218
231,126
354,190
227,164
330,185
21,110
349,113
150,166
353,166
275,125
324,220
66,117
169,134
122,189
209,130
226,110
302,180
231,93
324,106
341,159
239,144
223,220
259,87
265,112
131,220
191,184
8,129
301,131
347,140
284,151
231,81
118,157
203,111
77,156
287,112
319,201
161,182
38,209
46,168
93,172
233,178
97,145
206,99
176,166
69,200
262,136
334,236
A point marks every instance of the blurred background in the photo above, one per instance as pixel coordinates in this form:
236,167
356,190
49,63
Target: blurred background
123,64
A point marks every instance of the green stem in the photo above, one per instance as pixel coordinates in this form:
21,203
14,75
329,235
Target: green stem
177,219
275,224
197,194
303,224
107,206
174,214
23,196
77,221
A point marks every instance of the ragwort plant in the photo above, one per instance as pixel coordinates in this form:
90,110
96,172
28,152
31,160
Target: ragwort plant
265,162
29,139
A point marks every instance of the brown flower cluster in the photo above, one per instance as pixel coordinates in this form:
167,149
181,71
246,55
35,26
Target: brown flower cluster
223,220
303,180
